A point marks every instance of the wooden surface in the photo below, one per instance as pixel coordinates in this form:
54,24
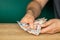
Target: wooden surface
12,31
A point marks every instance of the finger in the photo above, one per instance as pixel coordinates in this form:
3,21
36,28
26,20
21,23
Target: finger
31,25
47,23
51,32
47,29
23,21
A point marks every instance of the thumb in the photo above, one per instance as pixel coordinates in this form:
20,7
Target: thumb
47,23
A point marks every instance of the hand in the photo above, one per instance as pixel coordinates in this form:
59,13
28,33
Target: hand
28,18
51,27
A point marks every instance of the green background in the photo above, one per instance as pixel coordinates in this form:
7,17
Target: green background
13,10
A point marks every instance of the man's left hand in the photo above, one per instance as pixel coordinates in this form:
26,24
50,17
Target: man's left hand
51,27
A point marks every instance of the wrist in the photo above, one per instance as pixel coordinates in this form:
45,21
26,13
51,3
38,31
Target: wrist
30,14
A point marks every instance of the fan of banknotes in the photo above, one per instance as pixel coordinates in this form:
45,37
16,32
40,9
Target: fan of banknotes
37,24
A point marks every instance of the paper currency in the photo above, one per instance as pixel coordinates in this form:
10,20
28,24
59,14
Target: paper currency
37,24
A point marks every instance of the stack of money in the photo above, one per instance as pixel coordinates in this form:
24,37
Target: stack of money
37,24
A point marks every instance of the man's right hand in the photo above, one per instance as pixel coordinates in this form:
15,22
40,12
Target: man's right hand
29,19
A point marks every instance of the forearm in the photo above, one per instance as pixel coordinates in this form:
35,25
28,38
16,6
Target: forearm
36,6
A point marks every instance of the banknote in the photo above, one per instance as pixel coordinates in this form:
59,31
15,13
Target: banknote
37,25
